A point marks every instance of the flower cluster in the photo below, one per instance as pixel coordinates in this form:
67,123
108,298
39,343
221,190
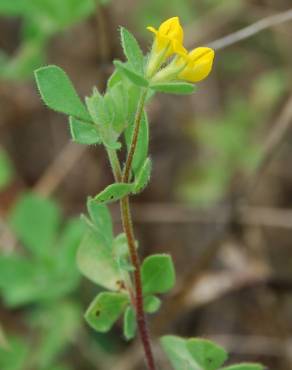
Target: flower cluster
190,66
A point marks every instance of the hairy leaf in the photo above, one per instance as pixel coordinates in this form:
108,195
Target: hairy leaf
101,218
132,50
134,77
114,192
83,132
105,309
179,88
95,261
178,354
158,274
151,304
207,354
130,325
143,176
58,92
142,143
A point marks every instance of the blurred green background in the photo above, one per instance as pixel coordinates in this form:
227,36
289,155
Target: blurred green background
219,200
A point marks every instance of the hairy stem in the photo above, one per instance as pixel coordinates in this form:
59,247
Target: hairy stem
137,124
129,231
139,301
115,164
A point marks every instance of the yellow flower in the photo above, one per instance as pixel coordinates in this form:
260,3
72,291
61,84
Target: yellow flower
168,40
198,64
169,37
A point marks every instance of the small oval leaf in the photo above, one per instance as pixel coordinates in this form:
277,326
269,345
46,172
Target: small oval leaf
83,133
114,192
151,304
105,309
207,354
158,274
58,92
143,176
130,325
179,88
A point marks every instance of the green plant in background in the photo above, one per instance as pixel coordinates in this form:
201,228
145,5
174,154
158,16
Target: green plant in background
41,278
118,119
229,142
41,20
6,169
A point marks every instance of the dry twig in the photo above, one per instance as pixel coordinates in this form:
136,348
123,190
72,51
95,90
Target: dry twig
251,30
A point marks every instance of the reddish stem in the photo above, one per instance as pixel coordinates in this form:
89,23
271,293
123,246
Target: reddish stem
139,301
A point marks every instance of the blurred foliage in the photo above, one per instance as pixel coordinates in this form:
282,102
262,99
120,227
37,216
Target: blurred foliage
6,170
229,143
44,274
39,284
40,20
150,11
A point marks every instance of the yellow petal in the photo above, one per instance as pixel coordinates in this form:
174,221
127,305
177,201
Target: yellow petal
199,64
172,29
178,48
201,53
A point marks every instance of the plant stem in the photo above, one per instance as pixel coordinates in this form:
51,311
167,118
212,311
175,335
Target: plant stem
115,164
129,232
139,301
137,124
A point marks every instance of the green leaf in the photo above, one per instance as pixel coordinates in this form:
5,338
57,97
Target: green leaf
3,340
16,357
180,88
132,50
142,143
12,8
114,79
102,221
35,221
121,253
134,77
101,109
130,325
58,93
121,245
158,274
143,176
116,99
178,354
105,309
83,132
97,110
208,355
244,366
59,324
24,281
95,261
68,243
114,192
151,304
134,93
6,169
